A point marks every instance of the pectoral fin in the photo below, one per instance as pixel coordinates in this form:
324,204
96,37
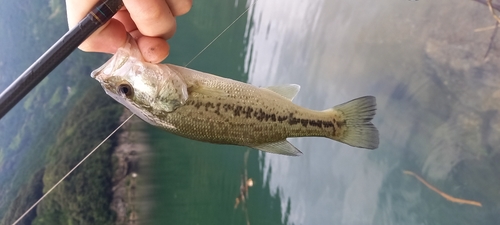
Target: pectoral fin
288,91
281,147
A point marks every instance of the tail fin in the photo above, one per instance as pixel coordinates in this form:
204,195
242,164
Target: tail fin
357,114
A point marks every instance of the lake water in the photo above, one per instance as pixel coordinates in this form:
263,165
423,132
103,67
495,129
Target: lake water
436,84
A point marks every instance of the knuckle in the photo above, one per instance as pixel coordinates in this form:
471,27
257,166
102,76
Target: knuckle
153,14
164,29
153,21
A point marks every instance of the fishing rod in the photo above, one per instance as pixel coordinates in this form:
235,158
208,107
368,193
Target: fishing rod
101,14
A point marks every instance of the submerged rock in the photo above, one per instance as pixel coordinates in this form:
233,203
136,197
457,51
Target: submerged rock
126,165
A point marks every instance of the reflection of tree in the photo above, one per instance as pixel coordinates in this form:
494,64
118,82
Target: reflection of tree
26,196
446,196
30,128
488,2
245,183
84,197
492,7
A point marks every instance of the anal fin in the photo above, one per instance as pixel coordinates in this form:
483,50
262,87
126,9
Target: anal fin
281,147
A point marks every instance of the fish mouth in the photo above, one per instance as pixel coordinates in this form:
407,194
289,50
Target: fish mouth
123,54
97,72
107,68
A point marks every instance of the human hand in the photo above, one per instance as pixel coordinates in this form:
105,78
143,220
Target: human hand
149,22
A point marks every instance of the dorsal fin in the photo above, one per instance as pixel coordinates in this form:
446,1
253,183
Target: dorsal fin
288,91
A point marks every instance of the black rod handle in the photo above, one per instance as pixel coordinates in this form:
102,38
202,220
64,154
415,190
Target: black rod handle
102,13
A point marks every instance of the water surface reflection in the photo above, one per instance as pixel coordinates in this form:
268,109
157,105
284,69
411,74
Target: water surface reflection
437,96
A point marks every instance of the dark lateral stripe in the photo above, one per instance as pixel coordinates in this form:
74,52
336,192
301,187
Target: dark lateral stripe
260,115
305,122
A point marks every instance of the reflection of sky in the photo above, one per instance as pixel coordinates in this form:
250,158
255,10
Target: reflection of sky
337,51
331,181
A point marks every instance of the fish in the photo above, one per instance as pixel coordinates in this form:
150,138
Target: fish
214,109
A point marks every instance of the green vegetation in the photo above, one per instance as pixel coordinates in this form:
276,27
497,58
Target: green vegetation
30,126
84,197
25,198
39,129
56,97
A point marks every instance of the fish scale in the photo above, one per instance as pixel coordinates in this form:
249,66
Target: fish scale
214,109
230,122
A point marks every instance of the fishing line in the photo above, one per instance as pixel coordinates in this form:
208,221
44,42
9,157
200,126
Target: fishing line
76,166
119,126
215,39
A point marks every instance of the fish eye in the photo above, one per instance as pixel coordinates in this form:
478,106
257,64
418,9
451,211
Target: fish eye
126,89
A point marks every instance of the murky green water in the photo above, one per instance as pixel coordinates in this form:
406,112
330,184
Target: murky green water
197,183
432,65
437,115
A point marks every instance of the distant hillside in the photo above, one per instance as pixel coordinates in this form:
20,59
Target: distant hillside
28,194
29,28
84,197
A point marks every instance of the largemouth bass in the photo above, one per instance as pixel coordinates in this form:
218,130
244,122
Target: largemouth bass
213,109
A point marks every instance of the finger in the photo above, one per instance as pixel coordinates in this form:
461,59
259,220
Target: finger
152,17
179,7
124,17
107,38
153,50
136,34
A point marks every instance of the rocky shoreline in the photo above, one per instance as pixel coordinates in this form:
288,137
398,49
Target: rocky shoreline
130,146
